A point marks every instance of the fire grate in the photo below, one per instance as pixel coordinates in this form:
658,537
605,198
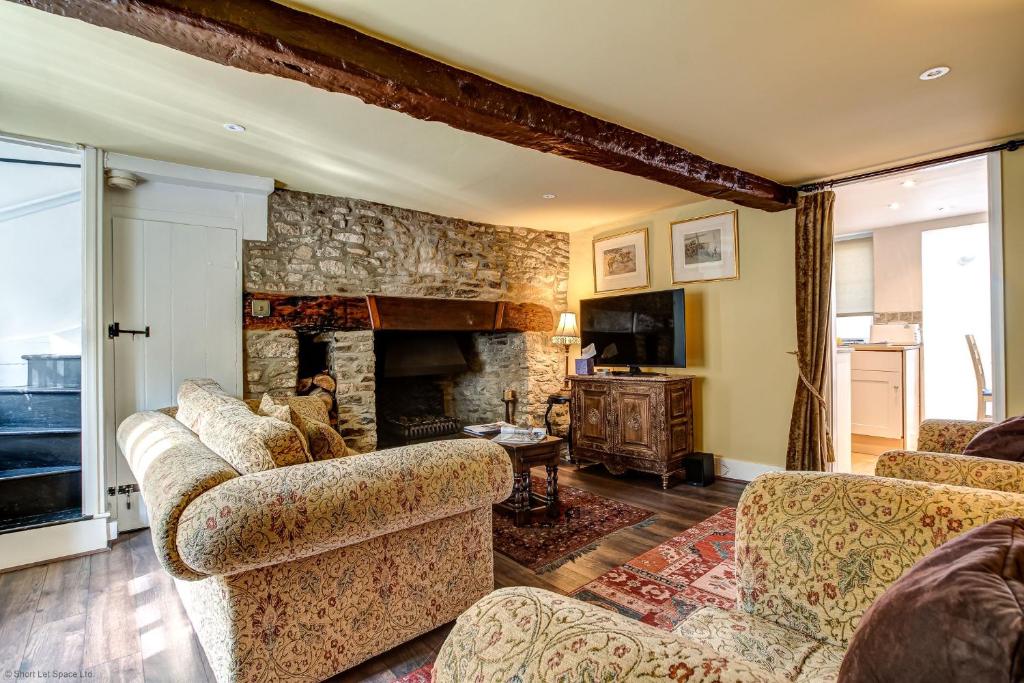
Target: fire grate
412,428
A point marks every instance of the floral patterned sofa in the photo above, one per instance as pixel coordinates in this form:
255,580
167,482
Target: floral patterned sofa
938,459
812,553
299,572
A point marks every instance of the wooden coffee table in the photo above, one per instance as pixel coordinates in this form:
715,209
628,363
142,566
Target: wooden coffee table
525,457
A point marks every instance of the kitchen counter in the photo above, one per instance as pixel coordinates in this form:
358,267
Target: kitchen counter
880,347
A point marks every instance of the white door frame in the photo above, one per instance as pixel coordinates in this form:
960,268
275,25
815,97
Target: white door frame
88,535
995,246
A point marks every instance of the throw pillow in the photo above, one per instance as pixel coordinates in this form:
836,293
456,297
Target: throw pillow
956,615
197,398
268,408
252,443
310,415
1003,441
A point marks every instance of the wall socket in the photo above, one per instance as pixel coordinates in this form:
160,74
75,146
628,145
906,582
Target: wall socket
260,308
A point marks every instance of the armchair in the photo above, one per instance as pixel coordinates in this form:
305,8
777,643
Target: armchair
940,460
813,551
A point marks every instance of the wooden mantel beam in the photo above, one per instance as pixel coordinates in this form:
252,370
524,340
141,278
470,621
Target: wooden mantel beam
268,38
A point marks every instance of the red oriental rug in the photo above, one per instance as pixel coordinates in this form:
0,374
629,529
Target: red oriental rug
583,520
420,675
669,582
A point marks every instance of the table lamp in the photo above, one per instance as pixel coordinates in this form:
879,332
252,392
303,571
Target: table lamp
567,333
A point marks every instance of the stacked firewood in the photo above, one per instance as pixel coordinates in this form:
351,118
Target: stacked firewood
323,387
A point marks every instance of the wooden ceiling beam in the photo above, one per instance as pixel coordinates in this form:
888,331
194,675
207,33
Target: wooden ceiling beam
268,38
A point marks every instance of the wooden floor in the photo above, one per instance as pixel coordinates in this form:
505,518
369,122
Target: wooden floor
116,615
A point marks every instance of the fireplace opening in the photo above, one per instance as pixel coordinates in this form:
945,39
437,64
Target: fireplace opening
313,351
314,371
416,374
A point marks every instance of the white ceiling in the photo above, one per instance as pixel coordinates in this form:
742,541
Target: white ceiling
792,89
953,189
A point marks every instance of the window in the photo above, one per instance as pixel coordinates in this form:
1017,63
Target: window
855,287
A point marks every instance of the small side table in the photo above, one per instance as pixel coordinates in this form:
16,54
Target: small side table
561,398
524,457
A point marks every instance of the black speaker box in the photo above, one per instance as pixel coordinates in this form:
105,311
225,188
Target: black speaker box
700,469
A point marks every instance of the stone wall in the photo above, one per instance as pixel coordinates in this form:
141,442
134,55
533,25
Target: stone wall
352,363
319,244
271,362
547,370
523,361
496,362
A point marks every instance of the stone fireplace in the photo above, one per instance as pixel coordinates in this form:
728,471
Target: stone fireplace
366,396
330,268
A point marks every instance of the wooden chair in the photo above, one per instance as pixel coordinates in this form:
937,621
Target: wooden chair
984,393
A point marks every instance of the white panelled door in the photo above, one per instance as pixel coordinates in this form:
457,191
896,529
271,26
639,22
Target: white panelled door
180,281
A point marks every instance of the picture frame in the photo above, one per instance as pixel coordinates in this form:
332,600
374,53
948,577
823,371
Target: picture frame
622,262
706,248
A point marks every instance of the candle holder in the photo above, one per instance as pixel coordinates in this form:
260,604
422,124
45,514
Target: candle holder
508,397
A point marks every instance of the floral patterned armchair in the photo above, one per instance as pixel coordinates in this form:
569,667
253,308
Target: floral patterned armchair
939,459
813,551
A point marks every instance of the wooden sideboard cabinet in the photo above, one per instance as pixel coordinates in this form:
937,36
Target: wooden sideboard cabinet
640,422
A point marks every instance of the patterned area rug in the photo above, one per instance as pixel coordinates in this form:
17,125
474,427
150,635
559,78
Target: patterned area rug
668,583
420,675
664,585
583,520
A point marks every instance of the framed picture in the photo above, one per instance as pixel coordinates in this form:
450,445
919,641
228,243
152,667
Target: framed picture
706,248
620,262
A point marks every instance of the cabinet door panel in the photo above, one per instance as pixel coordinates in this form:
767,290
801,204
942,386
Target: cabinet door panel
679,402
877,403
593,416
635,417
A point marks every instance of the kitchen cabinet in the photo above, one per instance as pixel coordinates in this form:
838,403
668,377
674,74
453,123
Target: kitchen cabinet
886,393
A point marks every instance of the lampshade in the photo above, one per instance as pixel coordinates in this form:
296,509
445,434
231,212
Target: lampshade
567,331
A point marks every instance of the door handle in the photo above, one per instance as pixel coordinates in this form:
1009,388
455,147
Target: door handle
114,330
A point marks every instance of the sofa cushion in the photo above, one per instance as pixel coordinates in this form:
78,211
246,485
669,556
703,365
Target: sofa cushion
249,442
956,615
197,398
1003,441
310,415
780,650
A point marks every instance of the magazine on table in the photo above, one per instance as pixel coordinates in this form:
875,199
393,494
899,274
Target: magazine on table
512,435
489,429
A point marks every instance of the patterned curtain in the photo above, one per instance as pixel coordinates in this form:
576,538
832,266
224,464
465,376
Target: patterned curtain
810,438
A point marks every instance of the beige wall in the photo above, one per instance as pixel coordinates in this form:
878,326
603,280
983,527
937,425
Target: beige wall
1013,277
738,332
897,252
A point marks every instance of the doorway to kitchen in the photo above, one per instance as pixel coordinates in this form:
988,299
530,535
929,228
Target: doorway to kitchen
913,307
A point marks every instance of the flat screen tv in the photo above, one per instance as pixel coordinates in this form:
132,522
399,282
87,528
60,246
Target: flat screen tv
634,330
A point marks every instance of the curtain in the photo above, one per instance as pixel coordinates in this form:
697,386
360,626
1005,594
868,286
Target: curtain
810,438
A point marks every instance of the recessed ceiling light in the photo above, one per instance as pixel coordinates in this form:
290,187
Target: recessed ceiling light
933,73
909,182
894,206
234,127
548,195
